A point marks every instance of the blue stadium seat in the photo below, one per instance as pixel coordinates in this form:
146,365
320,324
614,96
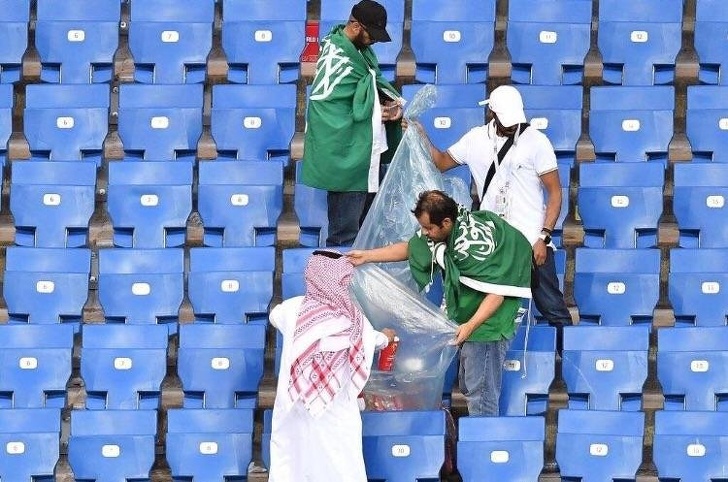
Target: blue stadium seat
6,116
706,121
455,112
620,203
631,124
548,41
240,202
616,287
451,42
231,285
692,367
265,437
52,202
13,38
711,36
294,264
604,367
35,366
311,209
141,286
528,371
160,122
170,42
149,203
46,285
209,444
599,445
699,204
495,449
123,365
112,445
253,122
335,12
77,40
66,122
404,446
220,365
30,438
697,286
639,41
556,111
690,446
263,40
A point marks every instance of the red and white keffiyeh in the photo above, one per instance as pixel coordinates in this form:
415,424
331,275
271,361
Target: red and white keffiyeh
327,318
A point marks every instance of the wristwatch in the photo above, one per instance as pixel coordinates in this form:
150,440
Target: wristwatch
545,238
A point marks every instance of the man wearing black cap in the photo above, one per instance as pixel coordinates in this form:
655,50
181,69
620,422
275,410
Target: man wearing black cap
350,121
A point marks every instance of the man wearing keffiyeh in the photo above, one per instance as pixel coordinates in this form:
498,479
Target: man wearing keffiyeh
486,269
328,348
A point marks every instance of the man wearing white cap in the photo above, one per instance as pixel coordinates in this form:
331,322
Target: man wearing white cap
512,164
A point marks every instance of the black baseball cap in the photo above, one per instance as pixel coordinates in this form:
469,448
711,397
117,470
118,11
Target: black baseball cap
373,17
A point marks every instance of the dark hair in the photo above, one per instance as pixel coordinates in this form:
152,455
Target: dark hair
328,254
438,205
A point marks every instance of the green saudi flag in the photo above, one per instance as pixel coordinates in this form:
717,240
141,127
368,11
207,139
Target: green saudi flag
483,254
339,134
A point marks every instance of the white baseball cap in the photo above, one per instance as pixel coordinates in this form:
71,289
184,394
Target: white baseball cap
507,104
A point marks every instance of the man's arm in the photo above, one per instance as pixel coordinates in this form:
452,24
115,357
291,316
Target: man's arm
552,184
487,308
442,159
393,252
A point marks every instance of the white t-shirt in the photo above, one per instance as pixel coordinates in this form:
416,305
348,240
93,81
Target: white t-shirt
516,178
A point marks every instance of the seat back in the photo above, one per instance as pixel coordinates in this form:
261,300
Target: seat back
160,122
528,371
696,286
52,202
639,41
46,285
123,365
706,121
263,40
170,42
616,287
711,26
311,207
548,41
599,445
231,285
699,204
13,38
605,367
492,449
631,124
240,202
77,40
66,122
404,446
6,114
220,365
149,203
209,444
690,446
692,367
112,445
620,203
334,12
253,122
452,42
31,439
141,286
36,365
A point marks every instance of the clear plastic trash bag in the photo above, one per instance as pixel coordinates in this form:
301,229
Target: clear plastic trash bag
411,171
424,352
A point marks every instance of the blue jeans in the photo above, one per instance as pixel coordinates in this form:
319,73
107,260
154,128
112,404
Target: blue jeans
345,211
547,295
481,375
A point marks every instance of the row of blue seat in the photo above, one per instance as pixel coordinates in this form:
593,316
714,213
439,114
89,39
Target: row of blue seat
548,44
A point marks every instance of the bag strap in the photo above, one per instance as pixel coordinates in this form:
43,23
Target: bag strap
501,155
